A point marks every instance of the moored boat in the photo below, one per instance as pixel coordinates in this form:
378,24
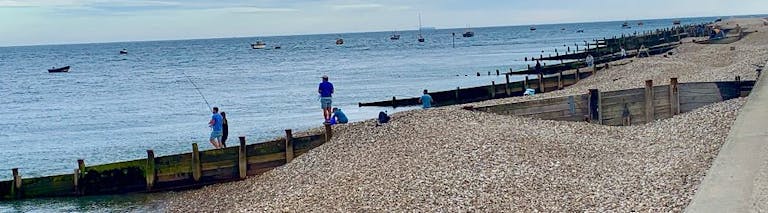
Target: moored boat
533,28
339,41
123,52
259,45
676,22
60,69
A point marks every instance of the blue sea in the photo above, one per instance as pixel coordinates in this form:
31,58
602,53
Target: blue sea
113,107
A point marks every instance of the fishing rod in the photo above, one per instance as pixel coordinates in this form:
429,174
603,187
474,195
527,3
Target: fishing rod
198,90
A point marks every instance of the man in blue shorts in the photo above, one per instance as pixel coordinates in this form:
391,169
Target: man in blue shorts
326,90
426,100
216,124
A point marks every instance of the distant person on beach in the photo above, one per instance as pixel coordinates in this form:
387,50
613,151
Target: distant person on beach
426,100
326,90
216,125
623,53
225,130
537,68
590,61
339,117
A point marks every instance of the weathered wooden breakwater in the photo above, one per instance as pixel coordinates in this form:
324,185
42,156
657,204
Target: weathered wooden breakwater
492,91
187,170
628,107
551,76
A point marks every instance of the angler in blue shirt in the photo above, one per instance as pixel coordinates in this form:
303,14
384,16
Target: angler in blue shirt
217,127
326,91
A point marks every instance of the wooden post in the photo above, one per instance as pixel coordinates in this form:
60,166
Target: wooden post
76,181
16,189
81,165
197,170
458,101
328,132
493,89
560,80
649,117
394,101
541,83
594,106
497,72
242,158
674,97
506,88
288,146
578,77
149,172
525,83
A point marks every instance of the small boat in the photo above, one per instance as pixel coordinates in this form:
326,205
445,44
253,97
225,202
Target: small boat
339,41
625,25
533,28
259,45
468,33
579,31
421,39
562,29
640,23
394,36
718,20
123,52
278,47
60,69
676,22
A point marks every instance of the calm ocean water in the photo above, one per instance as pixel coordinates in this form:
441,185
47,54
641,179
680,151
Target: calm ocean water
113,107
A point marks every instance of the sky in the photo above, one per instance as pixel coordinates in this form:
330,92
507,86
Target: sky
33,22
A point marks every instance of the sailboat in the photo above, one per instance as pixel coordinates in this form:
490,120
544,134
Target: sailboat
421,38
468,33
394,36
533,28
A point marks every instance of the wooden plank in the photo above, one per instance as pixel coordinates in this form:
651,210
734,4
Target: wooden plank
58,185
173,164
112,178
219,165
700,99
537,110
629,92
280,156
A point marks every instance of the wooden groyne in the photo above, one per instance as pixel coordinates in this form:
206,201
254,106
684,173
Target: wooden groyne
628,107
604,51
187,170
492,91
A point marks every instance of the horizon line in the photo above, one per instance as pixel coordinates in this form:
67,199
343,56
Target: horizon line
358,32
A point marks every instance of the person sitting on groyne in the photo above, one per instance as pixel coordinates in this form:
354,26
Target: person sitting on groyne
426,100
338,117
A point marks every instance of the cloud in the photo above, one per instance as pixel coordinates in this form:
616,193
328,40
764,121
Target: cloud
372,6
357,6
248,9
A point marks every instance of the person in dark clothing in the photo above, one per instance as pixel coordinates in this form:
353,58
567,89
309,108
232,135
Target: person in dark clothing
537,67
225,130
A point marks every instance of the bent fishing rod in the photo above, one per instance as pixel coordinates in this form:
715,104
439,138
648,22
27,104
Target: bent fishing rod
198,90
